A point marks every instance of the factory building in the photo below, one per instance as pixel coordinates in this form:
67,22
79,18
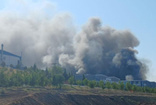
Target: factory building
100,77
112,79
97,77
141,83
104,78
9,59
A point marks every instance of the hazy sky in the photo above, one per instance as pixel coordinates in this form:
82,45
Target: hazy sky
138,16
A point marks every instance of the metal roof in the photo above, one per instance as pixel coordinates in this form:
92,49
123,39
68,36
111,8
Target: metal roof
10,54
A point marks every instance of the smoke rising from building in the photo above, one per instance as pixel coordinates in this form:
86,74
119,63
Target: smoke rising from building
95,49
99,49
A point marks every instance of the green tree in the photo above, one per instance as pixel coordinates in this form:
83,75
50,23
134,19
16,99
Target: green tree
108,85
65,74
56,70
35,67
85,82
115,85
79,82
71,80
128,86
3,79
134,87
121,85
58,80
91,84
83,77
101,84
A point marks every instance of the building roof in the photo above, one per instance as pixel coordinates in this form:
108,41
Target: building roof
101,75
10,54
113,78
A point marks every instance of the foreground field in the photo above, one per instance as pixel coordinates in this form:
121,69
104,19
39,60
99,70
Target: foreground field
74,95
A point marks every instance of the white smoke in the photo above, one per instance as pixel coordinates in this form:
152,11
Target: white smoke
129,77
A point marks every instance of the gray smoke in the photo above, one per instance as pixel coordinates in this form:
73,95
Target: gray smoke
129,77
41,42
99,49
95,49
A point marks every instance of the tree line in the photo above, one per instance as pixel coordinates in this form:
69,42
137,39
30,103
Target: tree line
110,85
57,76
32,76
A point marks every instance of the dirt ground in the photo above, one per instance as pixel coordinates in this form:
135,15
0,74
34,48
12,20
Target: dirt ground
73,96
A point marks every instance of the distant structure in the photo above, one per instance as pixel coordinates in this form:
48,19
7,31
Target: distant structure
141,83
104,78
97,77
10,60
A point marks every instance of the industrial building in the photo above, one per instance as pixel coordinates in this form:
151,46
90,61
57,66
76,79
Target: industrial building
9,59
104,78
97,77
141,83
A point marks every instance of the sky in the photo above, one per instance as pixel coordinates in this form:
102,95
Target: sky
138,16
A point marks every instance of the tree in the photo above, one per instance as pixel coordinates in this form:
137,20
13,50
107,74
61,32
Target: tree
121,85
65,74
79,82
108,85
58,80
128,86
115,85
134,87
85,82
35,67
91,84
140,89
56,70
71,80
101,84
83,77
33,80
3,79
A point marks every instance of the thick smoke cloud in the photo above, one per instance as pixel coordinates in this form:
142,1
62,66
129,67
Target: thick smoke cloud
40,41
99,49
96,49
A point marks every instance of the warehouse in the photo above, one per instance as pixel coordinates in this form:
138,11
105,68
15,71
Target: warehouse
9,59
